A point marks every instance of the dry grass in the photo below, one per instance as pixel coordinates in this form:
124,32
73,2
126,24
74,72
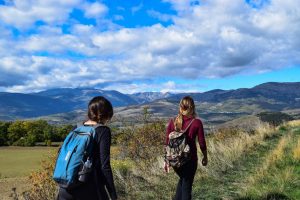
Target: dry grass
226,147
274,175
293,123
275,156
296,151
278,153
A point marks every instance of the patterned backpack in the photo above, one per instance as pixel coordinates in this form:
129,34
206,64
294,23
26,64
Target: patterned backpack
177,149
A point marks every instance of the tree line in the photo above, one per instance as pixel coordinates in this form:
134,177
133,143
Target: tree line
29,133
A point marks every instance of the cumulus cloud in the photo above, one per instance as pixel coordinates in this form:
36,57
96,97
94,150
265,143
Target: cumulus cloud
168,86
42,72
162,17
211,39
24,13
94,10
182,6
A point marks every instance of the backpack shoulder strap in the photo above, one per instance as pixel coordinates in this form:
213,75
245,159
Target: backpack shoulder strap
188,125
81,124
94,126
173,119
98,125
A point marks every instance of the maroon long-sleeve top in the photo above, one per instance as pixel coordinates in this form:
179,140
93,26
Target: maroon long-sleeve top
196,129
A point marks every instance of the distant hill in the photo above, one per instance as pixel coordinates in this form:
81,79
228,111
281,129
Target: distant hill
146,97
62,100
285,92
215,106
79,97
16,105
219,106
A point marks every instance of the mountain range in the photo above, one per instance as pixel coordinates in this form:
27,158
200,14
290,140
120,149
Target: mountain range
215,106
61,100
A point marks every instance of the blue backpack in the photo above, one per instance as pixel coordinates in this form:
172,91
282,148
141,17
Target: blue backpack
74,162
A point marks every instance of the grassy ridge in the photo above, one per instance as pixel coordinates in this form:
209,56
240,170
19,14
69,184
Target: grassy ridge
279,174
267,170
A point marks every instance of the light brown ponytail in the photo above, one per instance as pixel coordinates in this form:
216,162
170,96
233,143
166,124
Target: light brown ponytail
186,108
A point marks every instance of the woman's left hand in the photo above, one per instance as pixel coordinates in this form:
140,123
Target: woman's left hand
167,167
204,161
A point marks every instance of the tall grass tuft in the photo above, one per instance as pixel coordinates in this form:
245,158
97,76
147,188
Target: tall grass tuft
225,147
294,123
275,174
271,159
296,151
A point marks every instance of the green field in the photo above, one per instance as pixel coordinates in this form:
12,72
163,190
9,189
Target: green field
16,163
20,161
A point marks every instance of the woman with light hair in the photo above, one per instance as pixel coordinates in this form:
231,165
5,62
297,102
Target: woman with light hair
186,120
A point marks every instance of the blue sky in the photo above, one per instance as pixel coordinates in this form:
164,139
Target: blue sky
137,46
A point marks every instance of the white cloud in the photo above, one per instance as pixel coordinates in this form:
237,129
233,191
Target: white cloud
213,39
24,13
118,17
116,42
135,9
181,5
160,16
168,86
43,72
95,10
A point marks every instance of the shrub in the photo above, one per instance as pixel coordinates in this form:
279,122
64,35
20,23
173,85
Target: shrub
30,140
16,131
274,118
42,184
20,142
143,144
4,133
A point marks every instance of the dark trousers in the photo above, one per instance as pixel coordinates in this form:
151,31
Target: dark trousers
76,195
186,175
84,192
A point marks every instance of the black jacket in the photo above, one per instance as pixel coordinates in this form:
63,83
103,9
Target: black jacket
101,186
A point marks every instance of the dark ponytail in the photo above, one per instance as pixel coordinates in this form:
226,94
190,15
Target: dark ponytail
100,110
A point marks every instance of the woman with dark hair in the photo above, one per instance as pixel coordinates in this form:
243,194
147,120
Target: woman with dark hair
101,186
186,120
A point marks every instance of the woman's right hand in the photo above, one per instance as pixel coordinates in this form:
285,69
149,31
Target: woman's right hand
204,161
167,167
